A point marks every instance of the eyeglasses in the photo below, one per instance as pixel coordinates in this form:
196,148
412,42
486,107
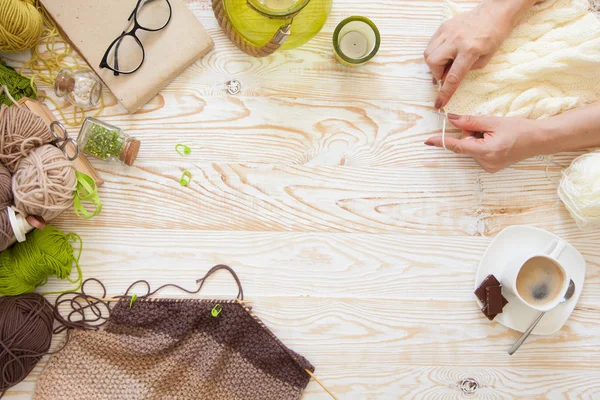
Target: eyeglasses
126,54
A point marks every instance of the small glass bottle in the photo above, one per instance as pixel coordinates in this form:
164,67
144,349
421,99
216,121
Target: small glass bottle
81,88
107,142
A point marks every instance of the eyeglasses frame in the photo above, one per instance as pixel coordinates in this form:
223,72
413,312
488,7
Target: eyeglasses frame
136,26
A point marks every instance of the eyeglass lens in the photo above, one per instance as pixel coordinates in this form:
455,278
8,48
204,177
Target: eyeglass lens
153,14
126,54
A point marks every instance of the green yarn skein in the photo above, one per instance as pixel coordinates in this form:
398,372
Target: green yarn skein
18,85
45,253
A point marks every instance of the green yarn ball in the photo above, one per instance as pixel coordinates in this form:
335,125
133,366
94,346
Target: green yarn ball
45,253
18,85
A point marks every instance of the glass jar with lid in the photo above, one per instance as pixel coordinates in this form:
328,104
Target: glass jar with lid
107,142
80,88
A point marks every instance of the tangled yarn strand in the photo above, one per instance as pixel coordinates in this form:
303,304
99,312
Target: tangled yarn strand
52,54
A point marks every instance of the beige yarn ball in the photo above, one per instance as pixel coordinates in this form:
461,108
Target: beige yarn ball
44,183
6,194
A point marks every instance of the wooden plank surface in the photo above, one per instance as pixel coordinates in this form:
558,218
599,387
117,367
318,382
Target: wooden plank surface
357,244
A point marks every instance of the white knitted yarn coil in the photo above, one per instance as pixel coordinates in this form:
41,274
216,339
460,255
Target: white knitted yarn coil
549,64
579,190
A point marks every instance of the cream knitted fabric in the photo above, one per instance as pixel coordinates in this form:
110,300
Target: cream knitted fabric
549,64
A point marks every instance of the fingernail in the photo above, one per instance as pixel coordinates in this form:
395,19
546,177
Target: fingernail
438,104
453,117
428,143
434,80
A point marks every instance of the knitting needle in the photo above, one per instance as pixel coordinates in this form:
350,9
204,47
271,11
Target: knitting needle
320,383
114,300
307,371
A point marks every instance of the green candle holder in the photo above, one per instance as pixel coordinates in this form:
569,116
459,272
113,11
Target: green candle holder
356,40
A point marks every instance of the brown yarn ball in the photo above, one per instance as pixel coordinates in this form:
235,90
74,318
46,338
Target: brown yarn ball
44,183
7,235
25,337
21,131
6,195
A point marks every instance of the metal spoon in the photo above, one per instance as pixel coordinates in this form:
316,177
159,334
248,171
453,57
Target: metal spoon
518,343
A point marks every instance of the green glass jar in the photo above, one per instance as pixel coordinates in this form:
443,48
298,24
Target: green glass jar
257,21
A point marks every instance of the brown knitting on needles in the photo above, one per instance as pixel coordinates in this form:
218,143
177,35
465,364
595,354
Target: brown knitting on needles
174,349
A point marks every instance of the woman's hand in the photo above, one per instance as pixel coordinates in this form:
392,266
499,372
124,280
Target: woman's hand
495,142
468,41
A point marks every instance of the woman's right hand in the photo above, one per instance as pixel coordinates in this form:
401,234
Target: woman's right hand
468,41
496,142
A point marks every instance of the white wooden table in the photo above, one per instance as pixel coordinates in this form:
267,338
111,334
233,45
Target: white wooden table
356,243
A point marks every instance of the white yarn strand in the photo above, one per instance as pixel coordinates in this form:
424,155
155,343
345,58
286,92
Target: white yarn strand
444,133
443,114
4,89
579,190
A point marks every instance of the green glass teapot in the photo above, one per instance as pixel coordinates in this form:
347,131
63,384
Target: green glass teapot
261,27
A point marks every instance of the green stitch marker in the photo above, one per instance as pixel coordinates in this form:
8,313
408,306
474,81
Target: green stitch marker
133,298
186,178
182,149
216,310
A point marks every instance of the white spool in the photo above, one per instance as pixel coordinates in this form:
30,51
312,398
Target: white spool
579,190
19,224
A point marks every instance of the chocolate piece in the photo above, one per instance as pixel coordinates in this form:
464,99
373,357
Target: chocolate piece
492,316
485,312
494,299
480,292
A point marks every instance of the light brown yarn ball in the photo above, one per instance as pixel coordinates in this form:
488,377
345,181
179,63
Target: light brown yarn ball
21,131
7,235
44,183
6,194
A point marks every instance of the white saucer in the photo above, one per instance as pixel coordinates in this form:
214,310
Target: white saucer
512,243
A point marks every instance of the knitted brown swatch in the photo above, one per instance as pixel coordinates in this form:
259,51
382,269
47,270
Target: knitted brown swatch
174,349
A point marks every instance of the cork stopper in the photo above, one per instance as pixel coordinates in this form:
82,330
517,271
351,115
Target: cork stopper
64,83
130,151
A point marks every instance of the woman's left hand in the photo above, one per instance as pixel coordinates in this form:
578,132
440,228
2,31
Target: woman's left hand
494,142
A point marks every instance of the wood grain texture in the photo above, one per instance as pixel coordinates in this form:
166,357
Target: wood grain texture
356,244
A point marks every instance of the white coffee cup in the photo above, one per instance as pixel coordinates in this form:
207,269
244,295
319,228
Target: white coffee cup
545,265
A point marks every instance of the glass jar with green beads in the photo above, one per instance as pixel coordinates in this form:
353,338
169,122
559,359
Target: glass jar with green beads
107,142
260,27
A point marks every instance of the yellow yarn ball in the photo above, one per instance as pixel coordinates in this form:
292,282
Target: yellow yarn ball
20,25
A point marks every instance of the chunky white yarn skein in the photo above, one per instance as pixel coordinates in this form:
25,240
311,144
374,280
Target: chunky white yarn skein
550,63
579,190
